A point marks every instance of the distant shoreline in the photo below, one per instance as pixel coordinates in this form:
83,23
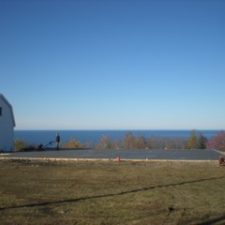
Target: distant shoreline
118,129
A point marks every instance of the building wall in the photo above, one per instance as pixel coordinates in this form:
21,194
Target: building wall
6,127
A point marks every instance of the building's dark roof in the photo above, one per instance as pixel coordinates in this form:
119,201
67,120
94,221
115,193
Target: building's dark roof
10,107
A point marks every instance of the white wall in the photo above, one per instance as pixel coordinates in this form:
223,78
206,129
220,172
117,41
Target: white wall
6,127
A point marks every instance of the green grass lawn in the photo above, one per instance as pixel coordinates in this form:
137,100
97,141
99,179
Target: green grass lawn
111,193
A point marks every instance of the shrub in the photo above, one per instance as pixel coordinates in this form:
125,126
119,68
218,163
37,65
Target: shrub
20,145
132,142
72,144
217,142
105,143
196,141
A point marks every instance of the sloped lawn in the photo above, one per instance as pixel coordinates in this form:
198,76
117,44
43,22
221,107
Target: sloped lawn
111,193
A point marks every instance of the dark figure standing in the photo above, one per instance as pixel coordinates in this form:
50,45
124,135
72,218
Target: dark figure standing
57,139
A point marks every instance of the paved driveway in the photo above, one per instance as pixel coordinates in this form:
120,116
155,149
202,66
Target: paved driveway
124,154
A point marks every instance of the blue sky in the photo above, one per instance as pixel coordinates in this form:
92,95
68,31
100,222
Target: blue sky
114,64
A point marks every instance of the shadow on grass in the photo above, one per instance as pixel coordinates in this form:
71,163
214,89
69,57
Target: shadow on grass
213,221
110,195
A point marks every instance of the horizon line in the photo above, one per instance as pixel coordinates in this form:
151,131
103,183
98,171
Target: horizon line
121,129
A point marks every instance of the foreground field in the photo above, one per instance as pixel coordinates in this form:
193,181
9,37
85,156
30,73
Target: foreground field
111,193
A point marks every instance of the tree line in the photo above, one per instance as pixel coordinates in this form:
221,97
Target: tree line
130,141
195,141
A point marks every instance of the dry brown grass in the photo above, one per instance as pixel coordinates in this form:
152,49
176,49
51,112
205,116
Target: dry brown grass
111,193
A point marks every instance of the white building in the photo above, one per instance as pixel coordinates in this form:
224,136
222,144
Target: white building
7,124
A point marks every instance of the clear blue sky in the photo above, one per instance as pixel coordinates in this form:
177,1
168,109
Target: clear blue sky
114,64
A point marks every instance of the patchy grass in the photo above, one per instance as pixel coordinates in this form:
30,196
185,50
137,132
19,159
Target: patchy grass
111,193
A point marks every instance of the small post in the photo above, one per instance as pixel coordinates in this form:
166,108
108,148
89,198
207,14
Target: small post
118,159
57,139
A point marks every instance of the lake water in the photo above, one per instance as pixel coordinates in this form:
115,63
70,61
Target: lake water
93,136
